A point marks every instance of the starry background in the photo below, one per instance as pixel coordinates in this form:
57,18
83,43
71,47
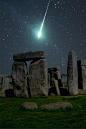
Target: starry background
64,30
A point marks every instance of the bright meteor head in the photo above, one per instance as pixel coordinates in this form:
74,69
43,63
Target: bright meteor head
39,34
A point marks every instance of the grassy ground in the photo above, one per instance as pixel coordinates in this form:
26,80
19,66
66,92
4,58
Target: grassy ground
12,115
65,84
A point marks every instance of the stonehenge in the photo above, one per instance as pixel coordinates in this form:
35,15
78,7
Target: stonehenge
37,80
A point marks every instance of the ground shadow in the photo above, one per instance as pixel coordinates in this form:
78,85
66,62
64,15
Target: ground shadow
9,93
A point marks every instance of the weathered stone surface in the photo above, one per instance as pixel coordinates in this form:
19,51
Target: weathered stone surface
38,78
56,86
57,76
29,56
56,105
29,105
2,94
83,82
72,74
5,83
81,75
19,79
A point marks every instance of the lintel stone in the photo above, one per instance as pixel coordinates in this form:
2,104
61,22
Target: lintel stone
29,56
54,69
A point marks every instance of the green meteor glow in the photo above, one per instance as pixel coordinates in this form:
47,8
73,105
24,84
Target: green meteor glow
39,34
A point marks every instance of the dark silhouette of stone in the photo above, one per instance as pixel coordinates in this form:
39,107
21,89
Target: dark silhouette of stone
9,93
48,80
72,74
38,78
52,90
64,91
19,79
29,56
81,74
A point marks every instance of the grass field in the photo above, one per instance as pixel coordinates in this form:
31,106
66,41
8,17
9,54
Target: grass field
12,115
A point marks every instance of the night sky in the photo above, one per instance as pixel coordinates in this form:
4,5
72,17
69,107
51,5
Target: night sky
64,30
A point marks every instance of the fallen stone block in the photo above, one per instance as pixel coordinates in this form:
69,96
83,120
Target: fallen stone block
56,105
29,105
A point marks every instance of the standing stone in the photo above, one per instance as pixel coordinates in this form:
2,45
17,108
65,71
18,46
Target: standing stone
72,74
82,74
56,86
38,78
51,72
5,86
19,79
57,76
48,80
55,73
5,83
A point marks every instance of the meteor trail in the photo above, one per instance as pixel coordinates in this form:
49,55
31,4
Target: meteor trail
39,34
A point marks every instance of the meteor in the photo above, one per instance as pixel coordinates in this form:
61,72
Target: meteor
39,34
